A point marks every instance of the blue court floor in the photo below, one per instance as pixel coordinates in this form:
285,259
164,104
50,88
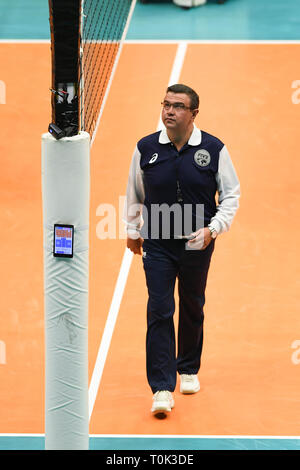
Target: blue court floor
36,442
236,20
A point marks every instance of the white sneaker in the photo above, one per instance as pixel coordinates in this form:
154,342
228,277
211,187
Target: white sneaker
163,402
189,383
189,3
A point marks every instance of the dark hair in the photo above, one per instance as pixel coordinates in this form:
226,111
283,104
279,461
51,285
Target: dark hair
180,88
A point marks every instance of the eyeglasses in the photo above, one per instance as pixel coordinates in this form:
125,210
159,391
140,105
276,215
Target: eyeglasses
176,106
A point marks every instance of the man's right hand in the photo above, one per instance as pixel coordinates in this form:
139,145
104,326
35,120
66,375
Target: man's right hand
135,245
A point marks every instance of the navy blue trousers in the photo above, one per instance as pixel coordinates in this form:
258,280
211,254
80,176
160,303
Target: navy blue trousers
164,261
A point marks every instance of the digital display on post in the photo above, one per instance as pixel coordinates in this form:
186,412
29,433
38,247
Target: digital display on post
63,240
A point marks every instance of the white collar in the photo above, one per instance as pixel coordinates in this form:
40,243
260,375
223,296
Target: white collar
195,138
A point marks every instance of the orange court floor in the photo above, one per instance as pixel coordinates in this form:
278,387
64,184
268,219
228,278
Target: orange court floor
249,376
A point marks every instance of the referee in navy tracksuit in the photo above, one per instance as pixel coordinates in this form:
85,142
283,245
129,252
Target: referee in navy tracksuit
173,220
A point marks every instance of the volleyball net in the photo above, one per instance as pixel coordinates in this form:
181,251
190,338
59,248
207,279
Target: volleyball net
86,41
104,28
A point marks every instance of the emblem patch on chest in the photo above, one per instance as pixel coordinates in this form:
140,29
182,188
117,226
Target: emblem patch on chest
153,158
202,157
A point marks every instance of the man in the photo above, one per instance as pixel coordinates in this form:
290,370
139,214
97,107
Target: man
173,220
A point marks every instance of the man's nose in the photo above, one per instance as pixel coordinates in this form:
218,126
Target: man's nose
170,110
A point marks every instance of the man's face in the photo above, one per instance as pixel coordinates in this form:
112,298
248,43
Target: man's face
180,116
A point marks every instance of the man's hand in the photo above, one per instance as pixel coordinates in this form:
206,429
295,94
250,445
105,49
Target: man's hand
135,245
202,239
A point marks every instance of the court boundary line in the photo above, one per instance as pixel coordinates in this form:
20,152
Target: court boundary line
109,329
163,436
212,41
171,41
123,274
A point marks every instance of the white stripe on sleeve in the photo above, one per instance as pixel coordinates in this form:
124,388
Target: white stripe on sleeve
135,195
228,193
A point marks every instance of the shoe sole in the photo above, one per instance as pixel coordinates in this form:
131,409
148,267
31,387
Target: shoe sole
161,414
161,411
189,392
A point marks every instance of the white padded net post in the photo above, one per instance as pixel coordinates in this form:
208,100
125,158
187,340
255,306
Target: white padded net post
66,193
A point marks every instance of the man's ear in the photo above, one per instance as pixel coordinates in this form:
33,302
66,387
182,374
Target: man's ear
195,112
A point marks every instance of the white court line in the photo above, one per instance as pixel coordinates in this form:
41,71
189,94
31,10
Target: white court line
109,328
161,436
25,41
212,41
169,41
190,436
124,270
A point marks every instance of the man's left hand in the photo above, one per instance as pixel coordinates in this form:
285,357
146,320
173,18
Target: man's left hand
201,240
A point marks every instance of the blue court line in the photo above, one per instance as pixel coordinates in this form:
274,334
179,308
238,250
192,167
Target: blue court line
234,20
36,442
